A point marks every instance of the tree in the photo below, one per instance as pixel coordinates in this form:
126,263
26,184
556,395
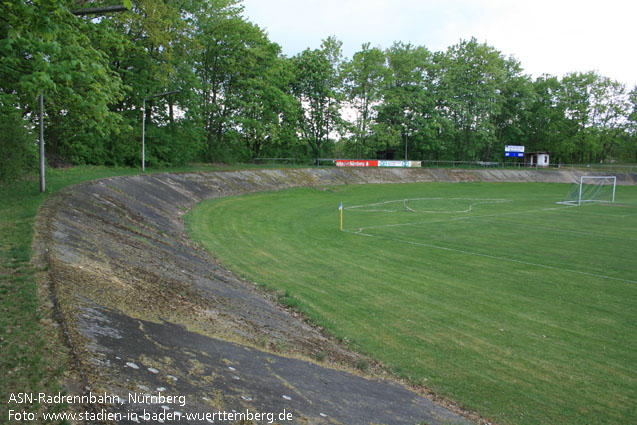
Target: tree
469,83
408,106
516,97
574,99
610,105
229,49
45,49
363,79
264,102
581,118
629,145
152,58
318,88
544,123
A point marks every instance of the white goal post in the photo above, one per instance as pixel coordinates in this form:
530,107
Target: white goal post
592,189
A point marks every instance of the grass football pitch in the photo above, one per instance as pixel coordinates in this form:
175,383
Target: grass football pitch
490,294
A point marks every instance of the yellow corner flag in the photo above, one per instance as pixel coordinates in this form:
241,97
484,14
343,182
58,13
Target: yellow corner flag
340,208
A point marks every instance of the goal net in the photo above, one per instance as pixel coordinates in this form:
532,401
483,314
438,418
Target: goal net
591,189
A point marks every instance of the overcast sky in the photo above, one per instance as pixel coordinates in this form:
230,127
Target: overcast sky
546,36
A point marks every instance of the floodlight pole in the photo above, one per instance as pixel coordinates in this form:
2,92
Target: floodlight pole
144,123
144,135
42,179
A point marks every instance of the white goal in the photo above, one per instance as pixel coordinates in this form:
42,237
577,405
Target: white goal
591,189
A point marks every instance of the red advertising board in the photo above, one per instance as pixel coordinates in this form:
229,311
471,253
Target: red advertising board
356,163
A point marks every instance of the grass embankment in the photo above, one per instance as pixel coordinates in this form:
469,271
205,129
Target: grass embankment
33,358
521,310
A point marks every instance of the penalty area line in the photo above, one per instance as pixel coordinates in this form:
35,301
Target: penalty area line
493,257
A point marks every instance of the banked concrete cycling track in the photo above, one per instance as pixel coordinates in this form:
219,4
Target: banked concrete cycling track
147,312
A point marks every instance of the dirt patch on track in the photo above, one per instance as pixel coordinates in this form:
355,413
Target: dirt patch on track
146,311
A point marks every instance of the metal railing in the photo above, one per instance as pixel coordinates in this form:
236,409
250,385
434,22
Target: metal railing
274,161
607,168
615,168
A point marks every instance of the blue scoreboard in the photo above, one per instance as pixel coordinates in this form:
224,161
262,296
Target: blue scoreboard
512,151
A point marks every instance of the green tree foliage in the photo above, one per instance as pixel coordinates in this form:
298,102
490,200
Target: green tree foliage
264,101
239,97
470,80
574,97
17,150
245,104
318,88
516,97
407,109
628,146
609,108
45,49
595,111
153,58
363,80
543,117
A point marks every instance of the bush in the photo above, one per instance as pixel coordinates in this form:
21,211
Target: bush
18,146
172,144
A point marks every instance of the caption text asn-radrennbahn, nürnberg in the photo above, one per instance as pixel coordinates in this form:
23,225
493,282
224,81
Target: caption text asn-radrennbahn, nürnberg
166,414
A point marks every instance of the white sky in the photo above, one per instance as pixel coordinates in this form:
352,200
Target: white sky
546,36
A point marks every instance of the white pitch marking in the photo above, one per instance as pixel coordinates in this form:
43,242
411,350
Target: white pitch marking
494,257
360,230
481,201
415,223
592,213
553,229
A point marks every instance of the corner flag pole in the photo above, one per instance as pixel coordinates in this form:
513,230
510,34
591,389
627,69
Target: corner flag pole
340,208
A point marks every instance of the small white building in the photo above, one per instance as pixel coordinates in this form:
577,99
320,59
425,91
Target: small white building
537,159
